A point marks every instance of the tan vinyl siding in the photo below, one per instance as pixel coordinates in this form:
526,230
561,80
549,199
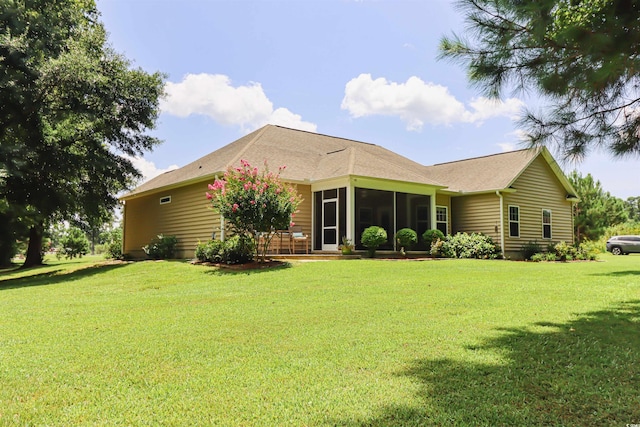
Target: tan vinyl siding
537,189
476,214
304,214
188,217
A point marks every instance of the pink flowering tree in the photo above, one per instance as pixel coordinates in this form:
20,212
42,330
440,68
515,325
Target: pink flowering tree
254,201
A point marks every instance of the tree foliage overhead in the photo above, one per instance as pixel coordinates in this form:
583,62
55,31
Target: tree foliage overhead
71,109
582,55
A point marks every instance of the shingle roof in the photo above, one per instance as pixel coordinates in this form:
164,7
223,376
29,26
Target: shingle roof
488,173
308,157
311,157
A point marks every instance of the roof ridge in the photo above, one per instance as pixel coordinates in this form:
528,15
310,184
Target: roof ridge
484,157
325,135
246,147
352,160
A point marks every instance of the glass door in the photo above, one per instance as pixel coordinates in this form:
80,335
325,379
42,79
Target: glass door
330,224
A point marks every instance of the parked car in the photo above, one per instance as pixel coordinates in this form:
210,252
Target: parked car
623,245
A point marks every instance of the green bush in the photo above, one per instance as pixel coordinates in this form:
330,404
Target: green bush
162,247
475,245
235,250
372,237
529,249
436,248
210,251
74,244
539,256
564,252
429,237
406,238
238,250
588,250
113,245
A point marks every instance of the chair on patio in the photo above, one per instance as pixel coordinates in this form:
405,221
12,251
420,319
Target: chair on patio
296,235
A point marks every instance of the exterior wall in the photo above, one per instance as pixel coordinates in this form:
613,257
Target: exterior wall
476,214
537,189
304,214
188,217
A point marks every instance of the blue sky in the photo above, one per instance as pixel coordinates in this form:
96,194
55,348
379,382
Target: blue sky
365,70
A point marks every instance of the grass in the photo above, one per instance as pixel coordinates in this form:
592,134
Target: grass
349,343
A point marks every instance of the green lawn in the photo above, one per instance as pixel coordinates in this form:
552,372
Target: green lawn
349,343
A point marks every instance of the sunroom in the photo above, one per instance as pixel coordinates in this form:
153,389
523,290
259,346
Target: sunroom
345,211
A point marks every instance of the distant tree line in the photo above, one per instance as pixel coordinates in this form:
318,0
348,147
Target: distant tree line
598,210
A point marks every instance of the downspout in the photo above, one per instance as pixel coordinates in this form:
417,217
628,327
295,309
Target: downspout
501,221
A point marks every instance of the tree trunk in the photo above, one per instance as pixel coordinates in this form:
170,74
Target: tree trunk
34,251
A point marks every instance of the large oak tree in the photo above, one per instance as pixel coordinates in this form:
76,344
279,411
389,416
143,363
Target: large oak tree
581,55
71,112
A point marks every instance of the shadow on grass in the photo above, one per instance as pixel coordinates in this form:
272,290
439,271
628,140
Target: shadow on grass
246,269
52,277
621,273
584,372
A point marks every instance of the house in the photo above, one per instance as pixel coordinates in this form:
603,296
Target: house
347,186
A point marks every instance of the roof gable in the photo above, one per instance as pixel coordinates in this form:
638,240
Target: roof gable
494,172
308,157
311,157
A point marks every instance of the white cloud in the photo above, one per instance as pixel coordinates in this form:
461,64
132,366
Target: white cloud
506,146
516,140
148,169
214,96
417,102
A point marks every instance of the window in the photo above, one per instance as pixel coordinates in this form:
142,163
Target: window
546,223
514,221
164,200
442,219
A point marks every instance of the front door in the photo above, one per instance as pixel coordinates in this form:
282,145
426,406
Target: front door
330,225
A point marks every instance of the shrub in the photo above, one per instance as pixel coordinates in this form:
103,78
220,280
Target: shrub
431,236
406,238
539,256
162,247
588,250
475,245
529,249
210,251
74,244
564,252
237,250
436,248
113,246
372,237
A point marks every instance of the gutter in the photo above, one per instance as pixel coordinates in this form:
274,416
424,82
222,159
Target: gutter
501,221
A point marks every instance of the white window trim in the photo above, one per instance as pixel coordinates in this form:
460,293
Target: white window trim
550,224
165,200
446,215
510,220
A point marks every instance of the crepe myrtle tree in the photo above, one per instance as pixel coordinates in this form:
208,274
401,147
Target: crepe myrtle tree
254,201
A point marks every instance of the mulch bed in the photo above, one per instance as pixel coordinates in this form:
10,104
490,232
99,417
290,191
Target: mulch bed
253,265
